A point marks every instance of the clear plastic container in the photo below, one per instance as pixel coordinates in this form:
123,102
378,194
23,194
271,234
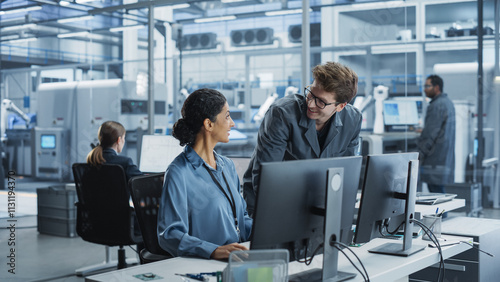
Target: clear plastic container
257,265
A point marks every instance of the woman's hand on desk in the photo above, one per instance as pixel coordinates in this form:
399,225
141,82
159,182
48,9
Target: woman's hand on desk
223,252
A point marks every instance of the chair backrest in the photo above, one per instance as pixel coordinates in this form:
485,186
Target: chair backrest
146,194
241,165
104,215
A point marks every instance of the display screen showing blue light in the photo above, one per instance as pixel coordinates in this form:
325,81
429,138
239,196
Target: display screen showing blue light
48,141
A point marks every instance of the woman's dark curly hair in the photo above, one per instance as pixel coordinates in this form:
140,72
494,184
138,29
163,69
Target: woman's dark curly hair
199,105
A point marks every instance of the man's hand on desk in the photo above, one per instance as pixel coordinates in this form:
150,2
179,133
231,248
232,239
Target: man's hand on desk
223,252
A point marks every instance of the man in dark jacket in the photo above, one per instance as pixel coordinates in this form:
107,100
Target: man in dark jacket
318,124
437,141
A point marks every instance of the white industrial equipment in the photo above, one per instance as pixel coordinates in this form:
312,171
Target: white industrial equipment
380,93
81,107
290,90
460,82
50,157
263,109
9,106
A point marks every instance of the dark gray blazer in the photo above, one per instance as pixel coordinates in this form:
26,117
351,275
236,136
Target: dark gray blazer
128,165
286,133
437,142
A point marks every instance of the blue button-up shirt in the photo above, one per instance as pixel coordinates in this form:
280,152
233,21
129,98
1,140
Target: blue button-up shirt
195,217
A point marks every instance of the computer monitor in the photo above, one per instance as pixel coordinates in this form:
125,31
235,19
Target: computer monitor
290,205
400,112
157,152
388,195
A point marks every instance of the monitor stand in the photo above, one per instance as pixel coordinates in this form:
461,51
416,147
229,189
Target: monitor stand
405,249
333,216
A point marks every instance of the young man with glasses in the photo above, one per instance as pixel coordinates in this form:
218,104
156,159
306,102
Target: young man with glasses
319,124
437,141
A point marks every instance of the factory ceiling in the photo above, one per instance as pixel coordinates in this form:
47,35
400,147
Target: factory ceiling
103,20
23,20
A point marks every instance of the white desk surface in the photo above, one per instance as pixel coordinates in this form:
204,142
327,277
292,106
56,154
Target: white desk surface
380,268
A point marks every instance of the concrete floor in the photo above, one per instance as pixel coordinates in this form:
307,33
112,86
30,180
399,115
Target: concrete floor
41,257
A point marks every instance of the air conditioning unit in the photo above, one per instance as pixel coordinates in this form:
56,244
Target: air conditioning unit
252,37
199,41
295,34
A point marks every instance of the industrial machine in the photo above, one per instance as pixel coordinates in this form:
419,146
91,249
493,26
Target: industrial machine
79,108
380,93
6,107
50,158
461,84
9,106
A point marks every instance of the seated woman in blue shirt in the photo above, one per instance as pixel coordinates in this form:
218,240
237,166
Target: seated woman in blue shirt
202,212
111,136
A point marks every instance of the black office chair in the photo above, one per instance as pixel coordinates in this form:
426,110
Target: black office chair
104,215
146,193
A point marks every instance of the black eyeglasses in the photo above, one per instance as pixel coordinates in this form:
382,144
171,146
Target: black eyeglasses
319,103
428,85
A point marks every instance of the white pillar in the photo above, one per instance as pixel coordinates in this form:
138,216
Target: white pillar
130,48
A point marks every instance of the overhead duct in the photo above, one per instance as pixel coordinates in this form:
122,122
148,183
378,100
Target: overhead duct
199,41
295,34
252,37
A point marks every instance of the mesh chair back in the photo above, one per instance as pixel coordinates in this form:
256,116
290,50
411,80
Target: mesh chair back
104,215
146,193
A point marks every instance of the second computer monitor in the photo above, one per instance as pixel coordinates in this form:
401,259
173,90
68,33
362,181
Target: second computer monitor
290,204
400,112
388,199
157,152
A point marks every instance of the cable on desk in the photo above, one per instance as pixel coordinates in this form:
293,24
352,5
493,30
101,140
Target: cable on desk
474,245
433,238
366,278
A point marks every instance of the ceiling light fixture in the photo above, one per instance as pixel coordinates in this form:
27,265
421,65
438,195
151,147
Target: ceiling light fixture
232,1
73,34
64,3
284,12
18,27
21,10
75,19
126,27
21,40
9,37
215,19
180,6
